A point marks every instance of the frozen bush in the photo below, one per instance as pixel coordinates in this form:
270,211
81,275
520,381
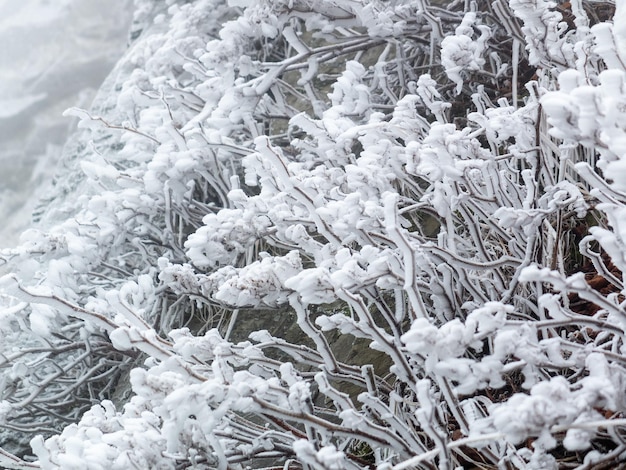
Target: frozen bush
333,234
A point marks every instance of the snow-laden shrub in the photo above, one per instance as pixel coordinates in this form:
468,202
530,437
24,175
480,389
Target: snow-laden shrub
333,234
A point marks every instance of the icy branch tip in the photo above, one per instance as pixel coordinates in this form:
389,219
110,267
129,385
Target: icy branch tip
8,283
76,112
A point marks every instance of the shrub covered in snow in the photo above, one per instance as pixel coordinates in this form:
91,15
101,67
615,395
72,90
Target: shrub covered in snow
333,234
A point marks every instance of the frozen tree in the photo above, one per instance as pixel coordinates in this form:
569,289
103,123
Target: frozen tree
333,234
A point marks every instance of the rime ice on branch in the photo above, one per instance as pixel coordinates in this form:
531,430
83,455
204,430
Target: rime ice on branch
333,234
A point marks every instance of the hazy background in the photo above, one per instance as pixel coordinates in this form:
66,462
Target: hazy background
53,55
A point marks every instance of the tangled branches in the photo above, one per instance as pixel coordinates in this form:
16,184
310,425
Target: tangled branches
336,234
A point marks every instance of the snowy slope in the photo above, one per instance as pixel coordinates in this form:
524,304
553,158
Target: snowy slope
54,55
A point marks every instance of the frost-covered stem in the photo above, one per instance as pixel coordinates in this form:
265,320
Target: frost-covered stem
124,309
12,462
149,342
529,258
580,319
479,439
394,421
368,431
368,374
474,230
601,188
453,404
413,461
300,59
50,378
365,318
304,322
393,324
452,259
408,252
9,358
593,425
427,416
10,284
231,323
87,116
341,400
598,264
587,293
607,45
515,46
264,146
